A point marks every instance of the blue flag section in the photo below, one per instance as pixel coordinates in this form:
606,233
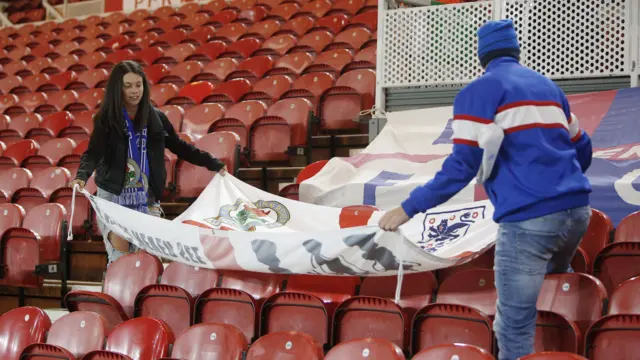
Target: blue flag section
612,119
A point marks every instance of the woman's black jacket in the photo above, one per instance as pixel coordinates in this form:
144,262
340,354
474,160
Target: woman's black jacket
107,155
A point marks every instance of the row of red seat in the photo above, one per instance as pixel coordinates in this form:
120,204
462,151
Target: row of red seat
337,309
27,333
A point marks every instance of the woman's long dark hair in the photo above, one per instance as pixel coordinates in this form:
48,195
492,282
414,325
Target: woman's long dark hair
110,114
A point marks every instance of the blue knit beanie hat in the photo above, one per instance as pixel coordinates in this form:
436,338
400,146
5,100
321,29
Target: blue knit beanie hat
497,38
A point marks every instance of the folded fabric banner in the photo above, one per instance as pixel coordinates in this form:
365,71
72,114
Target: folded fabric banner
234,226
412,146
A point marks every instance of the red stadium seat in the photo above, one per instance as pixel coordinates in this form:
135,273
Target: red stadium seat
264,29
208,52
176,54
11,216
613,337
285,344
553,356
192,179
369,317
156,72
19,126
94,78
277,45
221,341
628,229
474,287
49,154
454,351
317,8
237,300
311,87
269,89
217,70
285,124
161,93
168,303
140,338
293,63
352,38
229,92
12,180
332,23
374,349
310,170
241,49
239,118
125,277
36,242
88,100
341,105
598,234
194,280
174,114
483,261
252,69
313,42
50,127
230,33
81,128
438,324
616,263
70,337
417,291
198,119
298,25
15,153
228,306
44,183
182,73
22,327
624,299
578,297
192,94
290,191
554,332
333,60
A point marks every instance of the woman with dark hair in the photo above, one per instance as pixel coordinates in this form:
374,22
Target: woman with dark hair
126,150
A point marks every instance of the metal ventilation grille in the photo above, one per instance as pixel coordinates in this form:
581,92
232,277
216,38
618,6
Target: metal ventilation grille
571,39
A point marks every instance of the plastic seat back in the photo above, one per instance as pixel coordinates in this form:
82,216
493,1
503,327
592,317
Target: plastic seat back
624,299
141,338
438,324
628,229
132,272
11,216
199,118
194,280
46,221
287,344
578,297
555,332
474,287
616,263
12,180
552,355
613,337
22,327
369,317
191,179
79,332
454,351
373,349
222,341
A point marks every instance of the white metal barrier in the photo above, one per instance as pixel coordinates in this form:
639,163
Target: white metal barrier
564,39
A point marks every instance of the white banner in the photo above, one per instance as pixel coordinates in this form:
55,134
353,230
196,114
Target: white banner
407,153
233,225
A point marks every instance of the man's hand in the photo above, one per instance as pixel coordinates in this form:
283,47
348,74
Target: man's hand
393,219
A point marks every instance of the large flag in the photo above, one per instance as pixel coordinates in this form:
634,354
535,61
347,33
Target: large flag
413,145
233,225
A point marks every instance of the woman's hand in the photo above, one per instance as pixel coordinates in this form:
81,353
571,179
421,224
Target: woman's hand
223,171
78,182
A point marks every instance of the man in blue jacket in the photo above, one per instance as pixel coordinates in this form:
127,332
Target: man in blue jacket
514,131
